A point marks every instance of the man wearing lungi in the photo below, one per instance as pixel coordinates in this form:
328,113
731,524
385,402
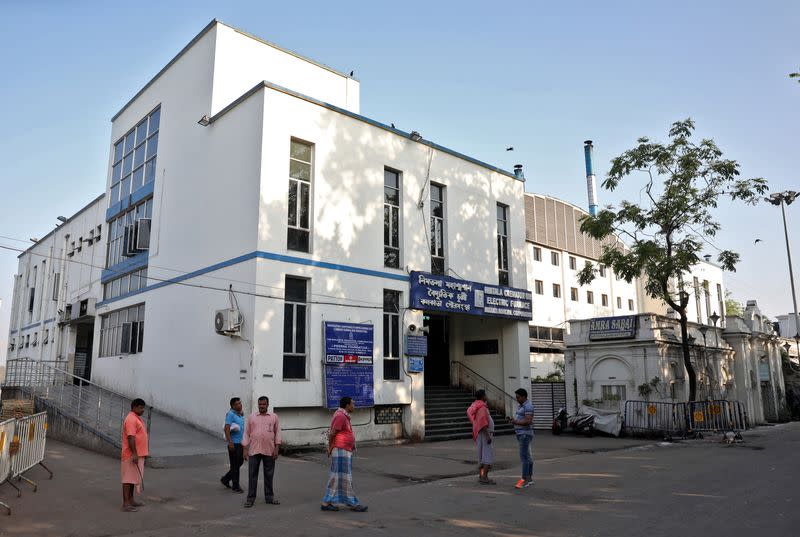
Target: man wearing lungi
341,444
134,450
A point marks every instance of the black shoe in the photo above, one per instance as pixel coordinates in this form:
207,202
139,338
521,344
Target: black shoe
237,490
249,503
226,484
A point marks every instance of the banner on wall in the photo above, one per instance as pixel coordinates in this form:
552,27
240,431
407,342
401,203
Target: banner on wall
348,363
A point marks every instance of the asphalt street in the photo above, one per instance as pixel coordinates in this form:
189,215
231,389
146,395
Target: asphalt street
584,487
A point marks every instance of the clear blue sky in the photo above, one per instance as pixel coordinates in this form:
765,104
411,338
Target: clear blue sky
473,76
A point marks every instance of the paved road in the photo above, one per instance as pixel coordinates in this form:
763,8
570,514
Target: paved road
693,488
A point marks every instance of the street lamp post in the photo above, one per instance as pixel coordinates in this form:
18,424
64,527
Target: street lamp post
783,199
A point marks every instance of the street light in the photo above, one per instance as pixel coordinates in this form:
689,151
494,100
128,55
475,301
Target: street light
783,199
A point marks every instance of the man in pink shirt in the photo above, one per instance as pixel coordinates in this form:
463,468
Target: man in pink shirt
134,450
262,439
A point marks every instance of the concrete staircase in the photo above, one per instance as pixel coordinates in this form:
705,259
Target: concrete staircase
446,414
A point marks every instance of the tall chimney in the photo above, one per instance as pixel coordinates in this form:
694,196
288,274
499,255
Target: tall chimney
591,187
518,172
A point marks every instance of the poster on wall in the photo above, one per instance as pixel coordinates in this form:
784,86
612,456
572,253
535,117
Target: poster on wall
348,363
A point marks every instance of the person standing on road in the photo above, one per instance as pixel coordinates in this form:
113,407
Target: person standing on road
134,451
482,433
341,444
523,427
261,442
234,431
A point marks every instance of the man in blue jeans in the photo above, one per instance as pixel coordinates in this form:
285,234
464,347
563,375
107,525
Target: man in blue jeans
523,426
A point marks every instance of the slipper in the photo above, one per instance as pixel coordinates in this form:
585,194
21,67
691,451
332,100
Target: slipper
129,509
359,508
329,507
487,481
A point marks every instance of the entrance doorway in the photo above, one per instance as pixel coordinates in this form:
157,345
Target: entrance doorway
437,362
82,366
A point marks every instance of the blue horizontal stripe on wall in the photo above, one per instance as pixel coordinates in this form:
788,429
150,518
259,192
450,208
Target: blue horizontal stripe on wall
34,325
132,263
261,255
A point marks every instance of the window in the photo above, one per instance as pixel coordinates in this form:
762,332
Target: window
46,337
300,174
613,393
602,269
437,229
720,305
129,283
619,302
56,283
697,298
502,244
539,287
134,159
294,328
555,258
590,297
573,294
79,247
122,331
129,233
630,304
537,253
391,218
556,290
573,263
604,300
391,335
707,292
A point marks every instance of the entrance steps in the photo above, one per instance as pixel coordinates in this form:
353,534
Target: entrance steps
446,414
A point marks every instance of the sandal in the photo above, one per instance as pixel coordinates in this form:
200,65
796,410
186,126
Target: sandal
487,481
329,507
359,508
129,509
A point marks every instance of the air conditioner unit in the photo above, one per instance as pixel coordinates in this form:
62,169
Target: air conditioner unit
227,322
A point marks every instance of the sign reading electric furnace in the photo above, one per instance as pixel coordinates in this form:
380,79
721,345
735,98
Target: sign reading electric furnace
613,327
442,293
348,363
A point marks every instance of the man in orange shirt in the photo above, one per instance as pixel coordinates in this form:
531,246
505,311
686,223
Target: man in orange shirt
341,443
262,439
134,450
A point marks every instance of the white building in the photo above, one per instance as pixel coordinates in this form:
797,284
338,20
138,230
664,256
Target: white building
242,177
56,287
556,250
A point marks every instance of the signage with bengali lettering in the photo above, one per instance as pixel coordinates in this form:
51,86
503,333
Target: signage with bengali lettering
348,363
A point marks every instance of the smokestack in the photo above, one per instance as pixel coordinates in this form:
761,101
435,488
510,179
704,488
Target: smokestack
518,172
591,187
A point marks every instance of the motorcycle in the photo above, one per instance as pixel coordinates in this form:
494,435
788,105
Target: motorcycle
579,423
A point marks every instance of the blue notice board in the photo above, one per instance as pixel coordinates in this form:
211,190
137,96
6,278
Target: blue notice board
348,363
416,364
417,345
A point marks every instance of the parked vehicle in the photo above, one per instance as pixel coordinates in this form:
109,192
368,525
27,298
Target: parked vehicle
579,423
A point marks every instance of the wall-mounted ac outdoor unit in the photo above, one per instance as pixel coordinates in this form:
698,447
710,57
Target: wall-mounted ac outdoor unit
227,322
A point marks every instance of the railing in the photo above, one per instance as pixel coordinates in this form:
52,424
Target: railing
466,377
96,407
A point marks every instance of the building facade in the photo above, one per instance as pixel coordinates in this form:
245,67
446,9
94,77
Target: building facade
252,217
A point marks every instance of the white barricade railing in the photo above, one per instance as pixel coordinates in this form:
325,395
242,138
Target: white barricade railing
31,433
6,437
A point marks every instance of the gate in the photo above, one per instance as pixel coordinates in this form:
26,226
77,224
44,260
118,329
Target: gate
547,398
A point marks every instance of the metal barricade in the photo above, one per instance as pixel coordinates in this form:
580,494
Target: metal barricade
716,416
6,437
31,433
655,418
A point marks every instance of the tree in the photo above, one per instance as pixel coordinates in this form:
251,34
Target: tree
732,306
664,234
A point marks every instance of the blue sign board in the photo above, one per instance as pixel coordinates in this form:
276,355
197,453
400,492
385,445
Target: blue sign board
416,364
348,343
434,292
348,363
613,327
350,380
417,345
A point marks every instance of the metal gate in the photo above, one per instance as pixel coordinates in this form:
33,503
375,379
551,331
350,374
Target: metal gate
547,398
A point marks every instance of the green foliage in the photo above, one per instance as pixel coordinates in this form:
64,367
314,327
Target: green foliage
732,306
649,387
664,234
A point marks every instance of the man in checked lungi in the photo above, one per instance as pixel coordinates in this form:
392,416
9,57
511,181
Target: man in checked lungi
341,444
134,451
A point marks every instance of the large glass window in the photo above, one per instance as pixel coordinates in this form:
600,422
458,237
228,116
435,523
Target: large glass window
129,283
122,331
502,243
391,218
294,328
122,232
134,162
437,229
391,335
300,174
